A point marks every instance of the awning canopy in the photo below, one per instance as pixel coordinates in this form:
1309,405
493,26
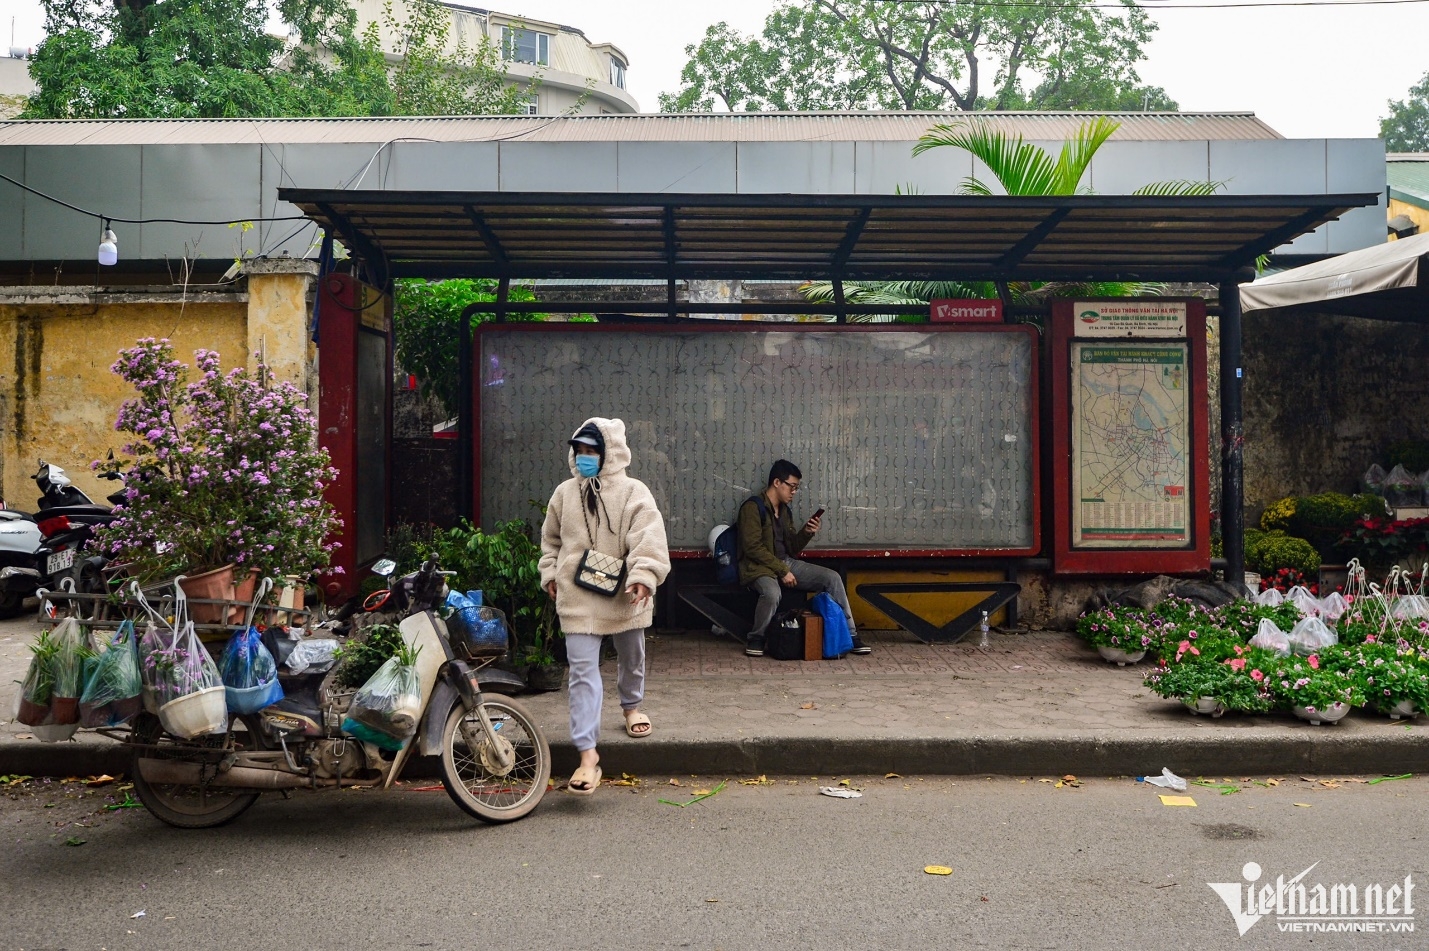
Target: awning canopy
524,235
1386,282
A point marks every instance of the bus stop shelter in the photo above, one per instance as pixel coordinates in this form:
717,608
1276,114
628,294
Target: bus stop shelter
510,236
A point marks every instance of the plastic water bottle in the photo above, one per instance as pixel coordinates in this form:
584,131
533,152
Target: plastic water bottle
982,641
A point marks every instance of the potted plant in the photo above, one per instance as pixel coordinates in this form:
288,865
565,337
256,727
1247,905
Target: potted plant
1121,635
1211,686
542,671
1315,693
1393,678
224,476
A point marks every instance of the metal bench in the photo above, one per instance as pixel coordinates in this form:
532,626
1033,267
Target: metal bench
731,607
999,594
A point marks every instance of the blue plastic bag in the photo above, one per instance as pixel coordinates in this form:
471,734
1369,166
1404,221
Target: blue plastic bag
250,677
475,598
480,627
837,639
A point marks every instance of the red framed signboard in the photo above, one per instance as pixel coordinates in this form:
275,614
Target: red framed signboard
1129,456
918,440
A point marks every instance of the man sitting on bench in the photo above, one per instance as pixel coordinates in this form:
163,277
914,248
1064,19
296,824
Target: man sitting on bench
767,546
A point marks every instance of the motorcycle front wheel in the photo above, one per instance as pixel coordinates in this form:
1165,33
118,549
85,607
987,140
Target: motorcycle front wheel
185,806
477,779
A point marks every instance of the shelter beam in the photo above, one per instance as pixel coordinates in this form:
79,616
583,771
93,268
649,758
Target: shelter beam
1019,251
850,239
488,237
372,256
1232,436
1274,238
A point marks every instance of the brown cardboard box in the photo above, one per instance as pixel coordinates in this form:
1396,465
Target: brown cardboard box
813,636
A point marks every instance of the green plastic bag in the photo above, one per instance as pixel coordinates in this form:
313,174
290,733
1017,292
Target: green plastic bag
111,692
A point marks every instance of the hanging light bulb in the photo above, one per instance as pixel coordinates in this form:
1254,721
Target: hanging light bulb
108,247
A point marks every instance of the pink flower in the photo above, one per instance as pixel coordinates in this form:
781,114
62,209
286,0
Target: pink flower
1237,663
1314,661
1257,676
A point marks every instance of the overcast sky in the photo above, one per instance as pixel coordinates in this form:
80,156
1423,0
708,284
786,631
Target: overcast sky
1310,72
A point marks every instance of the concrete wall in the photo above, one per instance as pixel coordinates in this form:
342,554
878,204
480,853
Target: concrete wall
58,398
1324,397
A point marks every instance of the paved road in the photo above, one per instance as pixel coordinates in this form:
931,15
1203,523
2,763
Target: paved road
1100,866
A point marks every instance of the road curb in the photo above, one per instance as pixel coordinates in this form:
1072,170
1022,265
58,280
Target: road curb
1320,752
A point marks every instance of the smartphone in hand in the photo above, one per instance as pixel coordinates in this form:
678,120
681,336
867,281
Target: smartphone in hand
816,514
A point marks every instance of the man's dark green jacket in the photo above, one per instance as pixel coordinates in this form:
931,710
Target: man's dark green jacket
756,541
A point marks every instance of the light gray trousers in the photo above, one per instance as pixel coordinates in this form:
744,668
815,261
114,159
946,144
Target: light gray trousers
807,577
586,690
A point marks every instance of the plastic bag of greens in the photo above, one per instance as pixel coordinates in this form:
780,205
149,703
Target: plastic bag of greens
1269,636
37,690
152,640
1311,635
391,700
250,677
111,691
75,649
1301,597
1373,480
1402,488
1270,598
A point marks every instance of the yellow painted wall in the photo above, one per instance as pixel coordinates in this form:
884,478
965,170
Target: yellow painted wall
937,608
58,398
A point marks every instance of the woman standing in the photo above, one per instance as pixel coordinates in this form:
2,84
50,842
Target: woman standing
600,517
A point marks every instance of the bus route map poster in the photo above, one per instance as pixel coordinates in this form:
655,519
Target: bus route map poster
1130,462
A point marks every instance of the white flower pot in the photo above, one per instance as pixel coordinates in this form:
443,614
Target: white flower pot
1334,713
1115,655
54,732
1404,708
196,714
1205,705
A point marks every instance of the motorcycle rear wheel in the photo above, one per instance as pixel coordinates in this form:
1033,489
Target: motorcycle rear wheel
192,807
474,778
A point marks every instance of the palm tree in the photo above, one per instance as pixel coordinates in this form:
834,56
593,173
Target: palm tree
1021,169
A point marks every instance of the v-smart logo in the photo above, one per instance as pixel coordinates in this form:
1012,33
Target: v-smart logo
1300,907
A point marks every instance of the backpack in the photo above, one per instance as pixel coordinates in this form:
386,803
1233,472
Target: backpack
725,549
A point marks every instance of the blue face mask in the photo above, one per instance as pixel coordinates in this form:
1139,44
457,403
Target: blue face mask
588,466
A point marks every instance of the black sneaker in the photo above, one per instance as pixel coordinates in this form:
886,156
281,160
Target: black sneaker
754,647
859,647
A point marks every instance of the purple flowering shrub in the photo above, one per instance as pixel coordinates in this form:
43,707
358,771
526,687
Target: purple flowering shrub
225,469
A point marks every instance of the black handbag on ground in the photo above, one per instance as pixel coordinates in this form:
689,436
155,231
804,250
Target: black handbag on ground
784,640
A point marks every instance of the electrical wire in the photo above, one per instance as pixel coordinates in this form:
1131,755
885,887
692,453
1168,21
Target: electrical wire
141,221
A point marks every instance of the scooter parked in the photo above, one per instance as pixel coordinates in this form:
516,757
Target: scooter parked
19,539
67,519
494,760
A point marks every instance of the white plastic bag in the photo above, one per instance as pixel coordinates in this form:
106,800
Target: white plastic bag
1270,598
1269,636
1311,635
1332,606
312,655
1301,597
1411,606
1167,780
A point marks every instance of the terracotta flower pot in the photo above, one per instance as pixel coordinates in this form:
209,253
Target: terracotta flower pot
64,710
215,585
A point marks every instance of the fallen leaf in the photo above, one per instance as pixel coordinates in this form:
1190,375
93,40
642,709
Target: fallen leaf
1059,784
170,917
674,782
844,782
1272,782
74,840
937,870
1069,778
102,780
702,792
892,776
1302,805
984,898
24,736
1329,784
760,780
711,901
1044,780
808,706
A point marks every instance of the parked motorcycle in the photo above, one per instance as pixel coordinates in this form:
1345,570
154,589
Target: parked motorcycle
19,539
495,762
67,519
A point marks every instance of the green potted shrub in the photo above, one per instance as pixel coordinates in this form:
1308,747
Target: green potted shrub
1122,635
1213,686
1314,691
1393,679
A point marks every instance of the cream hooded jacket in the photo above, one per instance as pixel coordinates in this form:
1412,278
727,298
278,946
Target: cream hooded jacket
625,524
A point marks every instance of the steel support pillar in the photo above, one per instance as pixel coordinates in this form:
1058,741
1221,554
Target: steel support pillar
1232,435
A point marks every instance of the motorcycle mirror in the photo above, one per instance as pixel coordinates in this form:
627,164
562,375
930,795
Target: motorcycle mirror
58,477
384,567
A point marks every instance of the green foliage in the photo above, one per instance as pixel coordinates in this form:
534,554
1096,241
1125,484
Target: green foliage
1305,682
215,58
360,661
1243,617
1387,674
1277,516
1406,128
406,542
1412,454
1323,519
1231,684
1123,628
1267,552
1382,542
427,328
504,565
868,54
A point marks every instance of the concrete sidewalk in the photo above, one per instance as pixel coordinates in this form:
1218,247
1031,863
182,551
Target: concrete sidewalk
1040,703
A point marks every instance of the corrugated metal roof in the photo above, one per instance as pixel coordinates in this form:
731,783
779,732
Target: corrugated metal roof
678,127
1407,175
